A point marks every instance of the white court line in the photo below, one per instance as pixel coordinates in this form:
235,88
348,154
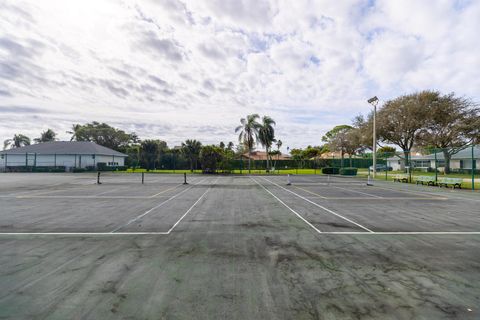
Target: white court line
77,233
359,192
322,207
409,233
298,215
190,209
150,210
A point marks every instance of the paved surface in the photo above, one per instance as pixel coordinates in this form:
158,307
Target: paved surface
236,248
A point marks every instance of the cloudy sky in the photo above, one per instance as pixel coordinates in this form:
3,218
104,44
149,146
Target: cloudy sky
175,69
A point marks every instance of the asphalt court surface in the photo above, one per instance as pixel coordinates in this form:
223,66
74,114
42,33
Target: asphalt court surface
236,247
122,204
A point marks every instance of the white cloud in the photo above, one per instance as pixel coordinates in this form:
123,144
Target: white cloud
180,69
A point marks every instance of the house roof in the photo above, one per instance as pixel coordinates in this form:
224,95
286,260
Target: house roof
464,154
65,147
262,155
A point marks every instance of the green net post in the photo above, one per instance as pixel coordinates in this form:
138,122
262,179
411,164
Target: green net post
436,167
143,177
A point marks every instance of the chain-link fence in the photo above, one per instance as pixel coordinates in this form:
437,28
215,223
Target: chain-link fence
456,167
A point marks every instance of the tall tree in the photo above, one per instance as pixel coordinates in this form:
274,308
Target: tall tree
18,140
451,125
46,136
210,157
266,135
338,139
230,146
191,149
102,134
279,144
401,120
150,152
248,134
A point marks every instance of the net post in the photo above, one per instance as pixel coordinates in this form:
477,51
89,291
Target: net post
185,178
143,177
369,181
289,182
98,178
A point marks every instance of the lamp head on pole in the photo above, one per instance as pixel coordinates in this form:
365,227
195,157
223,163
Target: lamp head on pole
373,100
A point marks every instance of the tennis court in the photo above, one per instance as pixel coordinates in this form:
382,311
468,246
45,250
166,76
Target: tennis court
241,247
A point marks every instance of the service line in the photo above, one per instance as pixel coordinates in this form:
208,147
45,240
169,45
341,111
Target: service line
321,207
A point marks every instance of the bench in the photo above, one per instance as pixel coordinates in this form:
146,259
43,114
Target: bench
454,182
428,180
400,178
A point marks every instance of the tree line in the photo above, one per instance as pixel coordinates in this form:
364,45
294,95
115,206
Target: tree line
426,119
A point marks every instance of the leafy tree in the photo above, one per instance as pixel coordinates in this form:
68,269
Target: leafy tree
451,124
248,134
230,146
386,151
222,145
210,157
339,139
401,120
150,152
191,149
311,152
18,140
46,136
266,135
102,134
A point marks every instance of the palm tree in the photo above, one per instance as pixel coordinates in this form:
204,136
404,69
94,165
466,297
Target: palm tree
279,145
46,136
76,128
191,149
248,134
18,140
266,134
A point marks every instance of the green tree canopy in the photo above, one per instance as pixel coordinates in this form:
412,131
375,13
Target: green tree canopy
248,133
210,158
102,134
46,136
451,124
191,149
18,140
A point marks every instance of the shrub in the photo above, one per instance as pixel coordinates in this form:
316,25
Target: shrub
77,170
348,171
330,170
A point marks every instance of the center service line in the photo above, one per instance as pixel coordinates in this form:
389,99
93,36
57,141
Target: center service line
190,209
322,207
298,215
150,210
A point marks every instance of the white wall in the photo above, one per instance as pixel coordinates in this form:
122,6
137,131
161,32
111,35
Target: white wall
394,164
69,161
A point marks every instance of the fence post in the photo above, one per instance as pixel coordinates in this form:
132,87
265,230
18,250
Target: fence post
436,167
473,168
143,177
98,178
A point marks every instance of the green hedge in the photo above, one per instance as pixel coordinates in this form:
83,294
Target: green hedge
330,170
348,171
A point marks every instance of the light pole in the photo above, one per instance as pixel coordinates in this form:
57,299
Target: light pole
374,102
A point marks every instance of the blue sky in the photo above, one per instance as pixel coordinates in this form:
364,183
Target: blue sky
176,70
